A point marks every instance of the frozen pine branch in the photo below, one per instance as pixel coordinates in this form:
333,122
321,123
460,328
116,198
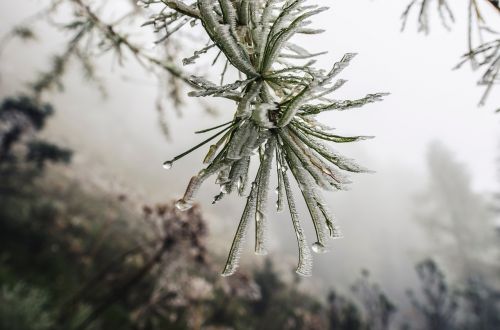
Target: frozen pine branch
276,99
274,123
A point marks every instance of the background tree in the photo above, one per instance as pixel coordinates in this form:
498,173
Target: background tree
455,218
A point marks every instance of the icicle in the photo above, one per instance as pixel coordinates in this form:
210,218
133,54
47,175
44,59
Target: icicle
262,195
306,187
304,266
236,247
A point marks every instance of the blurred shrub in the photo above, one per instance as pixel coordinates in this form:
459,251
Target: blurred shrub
24,308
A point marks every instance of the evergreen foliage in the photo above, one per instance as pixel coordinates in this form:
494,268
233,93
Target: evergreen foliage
276,105
277,97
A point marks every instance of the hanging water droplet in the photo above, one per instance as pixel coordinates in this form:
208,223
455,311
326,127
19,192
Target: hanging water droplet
239,183
182,205
318,248
224,188
259,216
277,191
168,164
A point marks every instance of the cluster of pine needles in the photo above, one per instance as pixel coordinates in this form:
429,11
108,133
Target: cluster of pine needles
274,120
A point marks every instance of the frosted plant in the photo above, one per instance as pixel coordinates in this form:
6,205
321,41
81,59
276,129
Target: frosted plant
424,6
277,99
483,41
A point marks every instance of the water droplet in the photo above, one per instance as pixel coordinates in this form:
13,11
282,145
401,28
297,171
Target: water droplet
259,216
277,191
168,164
318,248
239,183
182,205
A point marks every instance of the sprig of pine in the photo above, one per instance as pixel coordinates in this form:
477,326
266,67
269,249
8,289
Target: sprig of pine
274,121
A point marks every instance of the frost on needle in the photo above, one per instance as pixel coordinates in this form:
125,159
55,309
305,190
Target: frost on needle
277,99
